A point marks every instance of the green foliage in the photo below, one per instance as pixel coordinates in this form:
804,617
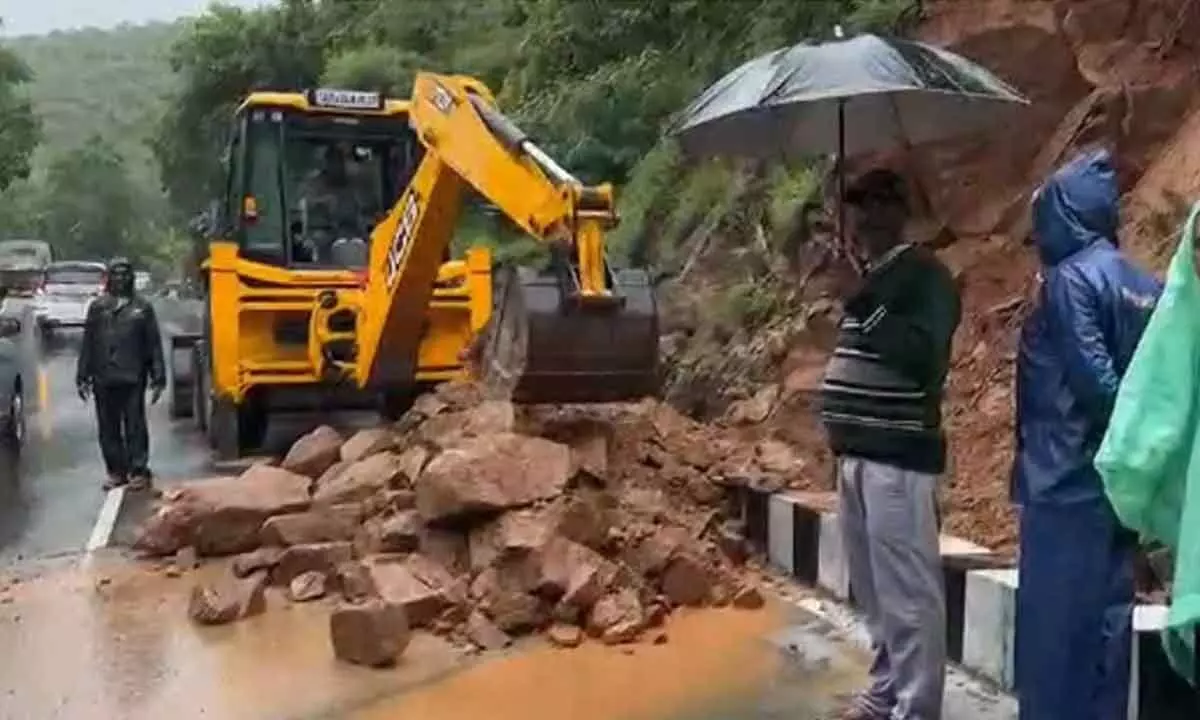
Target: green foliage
389,70
20,129
89,202
594,82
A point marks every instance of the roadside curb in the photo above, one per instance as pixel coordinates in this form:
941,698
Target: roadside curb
797,533
106,521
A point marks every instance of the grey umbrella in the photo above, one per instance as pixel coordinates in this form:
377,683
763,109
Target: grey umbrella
844,98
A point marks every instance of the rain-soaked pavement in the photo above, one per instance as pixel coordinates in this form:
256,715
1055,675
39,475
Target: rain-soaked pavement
98,635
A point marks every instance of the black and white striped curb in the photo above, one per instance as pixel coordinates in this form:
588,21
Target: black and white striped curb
798,534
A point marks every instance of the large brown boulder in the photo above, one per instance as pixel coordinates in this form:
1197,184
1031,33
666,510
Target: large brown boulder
617,617
228,599
492,473
395,582
324,558
368,442
314,453
172,525
322,524
687,581
372,633
504,597
361,480
222,516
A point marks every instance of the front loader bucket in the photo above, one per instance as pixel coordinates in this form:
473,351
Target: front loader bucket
547,348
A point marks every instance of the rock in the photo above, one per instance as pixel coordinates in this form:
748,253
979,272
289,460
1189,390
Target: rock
228,599
323,524
492,473
660,638
264,558
754,410
366,443
484,633
412,462
361,480
686,581
395,582
704,492
429,405
389,501
333,473
232,509
353,581
573,572
401,533
656,613
504,597
732,544
650,556
186,558
748,597
565,636
171,526
587,518
314,453
449,549
307,586
776,456
314,557
374,633
617,617
520,531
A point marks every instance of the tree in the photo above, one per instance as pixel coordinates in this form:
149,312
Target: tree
20,130
224,55
89,204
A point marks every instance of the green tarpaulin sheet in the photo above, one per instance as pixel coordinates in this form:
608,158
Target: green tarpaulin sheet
1150,457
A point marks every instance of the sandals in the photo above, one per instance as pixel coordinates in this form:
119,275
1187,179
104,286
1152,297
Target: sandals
113,482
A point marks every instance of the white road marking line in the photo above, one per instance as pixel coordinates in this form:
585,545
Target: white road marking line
103,529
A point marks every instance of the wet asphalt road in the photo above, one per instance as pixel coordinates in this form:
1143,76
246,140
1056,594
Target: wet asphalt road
50,496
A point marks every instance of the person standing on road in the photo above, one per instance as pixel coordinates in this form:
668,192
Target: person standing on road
881,408
122,355
1075,592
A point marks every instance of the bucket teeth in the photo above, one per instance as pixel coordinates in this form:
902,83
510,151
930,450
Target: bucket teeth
544,348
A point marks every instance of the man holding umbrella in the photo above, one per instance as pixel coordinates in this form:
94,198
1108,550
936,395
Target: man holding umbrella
881,406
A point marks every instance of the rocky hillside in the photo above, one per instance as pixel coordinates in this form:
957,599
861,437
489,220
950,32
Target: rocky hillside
752,321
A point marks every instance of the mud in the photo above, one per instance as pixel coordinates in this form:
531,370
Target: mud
715,664
113,641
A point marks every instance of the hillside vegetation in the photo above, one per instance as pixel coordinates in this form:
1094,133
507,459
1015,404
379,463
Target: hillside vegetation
93,188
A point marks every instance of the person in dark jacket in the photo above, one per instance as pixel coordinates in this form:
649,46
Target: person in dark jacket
881,406
121,355
1075,590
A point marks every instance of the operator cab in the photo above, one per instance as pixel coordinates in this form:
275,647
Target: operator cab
311,174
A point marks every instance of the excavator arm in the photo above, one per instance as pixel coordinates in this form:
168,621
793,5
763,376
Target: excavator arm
580,332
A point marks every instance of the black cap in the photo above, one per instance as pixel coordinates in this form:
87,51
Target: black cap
880,185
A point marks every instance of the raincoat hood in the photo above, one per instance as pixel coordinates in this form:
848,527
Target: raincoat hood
1076,207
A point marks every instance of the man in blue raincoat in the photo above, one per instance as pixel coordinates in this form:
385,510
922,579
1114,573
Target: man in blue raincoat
1075,596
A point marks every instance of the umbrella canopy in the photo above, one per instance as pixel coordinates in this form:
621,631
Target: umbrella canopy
847,97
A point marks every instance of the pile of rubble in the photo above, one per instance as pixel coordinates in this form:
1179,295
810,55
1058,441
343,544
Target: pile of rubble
480,522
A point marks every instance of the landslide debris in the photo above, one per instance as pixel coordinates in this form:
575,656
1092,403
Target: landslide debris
479,522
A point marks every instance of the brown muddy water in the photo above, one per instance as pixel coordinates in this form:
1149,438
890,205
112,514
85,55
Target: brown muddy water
112,640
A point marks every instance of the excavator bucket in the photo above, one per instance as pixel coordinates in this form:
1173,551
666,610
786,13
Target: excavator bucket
545,347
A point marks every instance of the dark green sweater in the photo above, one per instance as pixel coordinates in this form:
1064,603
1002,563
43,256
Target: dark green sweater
882,394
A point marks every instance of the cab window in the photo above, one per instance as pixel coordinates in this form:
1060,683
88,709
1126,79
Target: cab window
261,209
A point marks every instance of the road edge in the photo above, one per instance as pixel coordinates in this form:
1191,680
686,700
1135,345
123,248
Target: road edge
106,521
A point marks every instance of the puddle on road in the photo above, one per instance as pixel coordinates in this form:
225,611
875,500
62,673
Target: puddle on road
126,650
717,665
74,648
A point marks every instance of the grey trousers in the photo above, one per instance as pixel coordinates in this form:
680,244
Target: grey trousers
889,524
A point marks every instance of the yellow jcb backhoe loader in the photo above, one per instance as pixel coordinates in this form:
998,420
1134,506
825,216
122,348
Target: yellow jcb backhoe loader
329,282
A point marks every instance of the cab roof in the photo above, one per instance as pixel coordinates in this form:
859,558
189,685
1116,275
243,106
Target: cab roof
330,101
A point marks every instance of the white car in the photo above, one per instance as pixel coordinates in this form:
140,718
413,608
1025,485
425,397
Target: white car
69,288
